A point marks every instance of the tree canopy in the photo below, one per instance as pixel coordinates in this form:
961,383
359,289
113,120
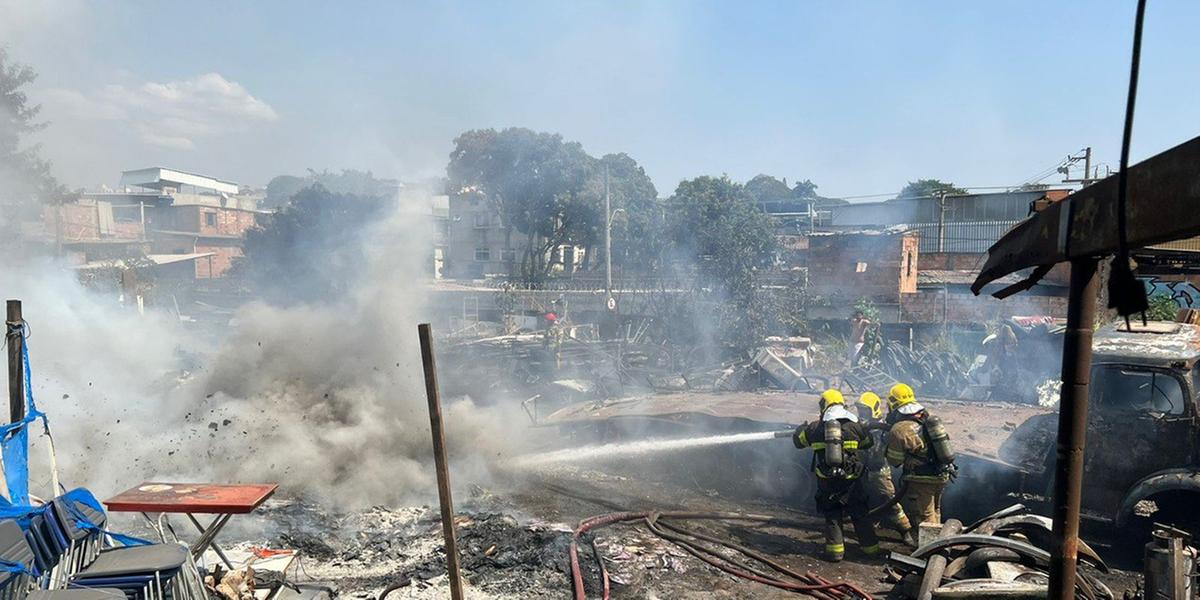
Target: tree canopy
300,253
714,224
348,181
553,191
25,178
926,188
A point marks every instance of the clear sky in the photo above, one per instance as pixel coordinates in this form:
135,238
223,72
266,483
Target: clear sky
860,97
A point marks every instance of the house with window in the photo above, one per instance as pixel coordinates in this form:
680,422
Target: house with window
158,212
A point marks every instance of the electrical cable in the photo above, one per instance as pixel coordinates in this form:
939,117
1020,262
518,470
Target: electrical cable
1122,294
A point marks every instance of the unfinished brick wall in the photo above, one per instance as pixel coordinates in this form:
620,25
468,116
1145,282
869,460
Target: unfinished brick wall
934,306
951,261
217,265
878,266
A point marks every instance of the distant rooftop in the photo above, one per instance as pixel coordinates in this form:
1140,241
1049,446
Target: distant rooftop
157,178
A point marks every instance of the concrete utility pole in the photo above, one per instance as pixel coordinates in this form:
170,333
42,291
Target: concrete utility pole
607,239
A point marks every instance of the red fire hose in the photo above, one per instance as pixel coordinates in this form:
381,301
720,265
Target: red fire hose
810,584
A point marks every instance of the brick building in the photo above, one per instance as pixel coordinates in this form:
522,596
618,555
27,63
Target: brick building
879,266
163,215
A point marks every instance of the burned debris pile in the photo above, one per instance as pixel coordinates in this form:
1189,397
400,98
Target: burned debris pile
401,548
1004,555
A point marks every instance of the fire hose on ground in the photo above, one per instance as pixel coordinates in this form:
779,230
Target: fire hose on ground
807,583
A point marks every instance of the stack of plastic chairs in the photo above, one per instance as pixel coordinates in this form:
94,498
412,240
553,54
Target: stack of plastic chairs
61,547
73,532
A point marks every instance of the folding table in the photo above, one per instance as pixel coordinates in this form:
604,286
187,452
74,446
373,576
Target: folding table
220,499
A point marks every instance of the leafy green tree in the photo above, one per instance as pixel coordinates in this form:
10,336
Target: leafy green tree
639,220
347,181
765,188
540,186
1162,308
713,224
925,188
300,254
25,179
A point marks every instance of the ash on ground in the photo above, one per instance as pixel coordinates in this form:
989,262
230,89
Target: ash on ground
362,553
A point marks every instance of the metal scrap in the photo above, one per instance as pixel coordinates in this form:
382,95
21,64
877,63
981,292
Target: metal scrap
1005,555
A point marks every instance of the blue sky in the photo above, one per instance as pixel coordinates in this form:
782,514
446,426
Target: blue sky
859,97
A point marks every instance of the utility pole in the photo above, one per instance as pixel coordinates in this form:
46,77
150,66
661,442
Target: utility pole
1088,177
607,239
15,334
941,222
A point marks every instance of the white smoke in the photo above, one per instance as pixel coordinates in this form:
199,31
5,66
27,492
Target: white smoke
328,400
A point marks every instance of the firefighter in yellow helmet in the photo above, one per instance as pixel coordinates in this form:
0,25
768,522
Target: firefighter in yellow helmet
878,478
838,441
927,459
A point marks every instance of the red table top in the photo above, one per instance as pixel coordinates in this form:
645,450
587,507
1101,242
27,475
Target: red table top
158,497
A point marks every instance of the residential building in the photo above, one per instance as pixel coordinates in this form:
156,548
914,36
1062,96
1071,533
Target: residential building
159,212
479,245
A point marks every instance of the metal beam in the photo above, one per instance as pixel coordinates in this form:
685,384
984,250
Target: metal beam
1163,205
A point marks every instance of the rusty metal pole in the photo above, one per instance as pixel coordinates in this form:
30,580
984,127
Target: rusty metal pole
439,460
14,331
1072,426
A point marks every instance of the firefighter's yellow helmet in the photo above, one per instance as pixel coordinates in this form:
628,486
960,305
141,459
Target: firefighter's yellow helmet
830,397
899,395
872,401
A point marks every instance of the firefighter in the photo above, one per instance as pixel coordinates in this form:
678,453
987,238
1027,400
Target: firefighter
918,442
878,478
837,440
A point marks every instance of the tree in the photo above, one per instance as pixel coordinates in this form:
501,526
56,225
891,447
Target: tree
281,189
765,188
25,179
537,183
300,254
928,188
713,224
637,230
348,181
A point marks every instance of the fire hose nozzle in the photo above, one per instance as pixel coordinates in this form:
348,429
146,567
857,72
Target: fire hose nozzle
787,433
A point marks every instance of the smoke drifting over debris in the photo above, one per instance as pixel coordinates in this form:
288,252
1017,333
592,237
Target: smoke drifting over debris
327,399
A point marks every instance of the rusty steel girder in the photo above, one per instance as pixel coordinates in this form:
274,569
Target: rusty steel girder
1163,205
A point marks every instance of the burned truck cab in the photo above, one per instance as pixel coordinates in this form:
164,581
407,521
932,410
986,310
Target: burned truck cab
1141,460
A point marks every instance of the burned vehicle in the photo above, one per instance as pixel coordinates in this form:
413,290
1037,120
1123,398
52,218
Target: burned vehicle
1142,461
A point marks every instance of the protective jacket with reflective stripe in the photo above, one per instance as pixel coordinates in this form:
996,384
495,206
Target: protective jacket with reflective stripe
855,438
906,447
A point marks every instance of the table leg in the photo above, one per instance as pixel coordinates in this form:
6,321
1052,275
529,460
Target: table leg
208,537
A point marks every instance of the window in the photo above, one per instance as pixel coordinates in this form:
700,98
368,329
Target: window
508,255
1119,389
483,220
483,254
860,267
909,268
210,219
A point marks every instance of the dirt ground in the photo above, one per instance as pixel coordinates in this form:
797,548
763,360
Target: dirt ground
514,535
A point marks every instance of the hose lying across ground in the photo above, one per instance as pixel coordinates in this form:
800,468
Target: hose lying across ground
805,583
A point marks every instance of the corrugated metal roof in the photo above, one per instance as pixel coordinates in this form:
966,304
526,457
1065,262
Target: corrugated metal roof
158,260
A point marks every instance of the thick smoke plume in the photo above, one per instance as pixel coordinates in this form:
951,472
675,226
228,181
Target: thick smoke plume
326,399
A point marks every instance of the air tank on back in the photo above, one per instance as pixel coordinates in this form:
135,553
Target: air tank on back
939,440
833,444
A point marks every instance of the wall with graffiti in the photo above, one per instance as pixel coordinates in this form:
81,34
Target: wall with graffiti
1185,293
